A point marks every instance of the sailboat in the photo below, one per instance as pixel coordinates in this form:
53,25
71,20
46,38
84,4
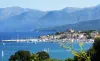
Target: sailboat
3,43
2,53
47,50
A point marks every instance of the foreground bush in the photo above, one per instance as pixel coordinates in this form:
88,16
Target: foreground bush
52,60
21,56
26,56
96,46
40,56
43,55
69,59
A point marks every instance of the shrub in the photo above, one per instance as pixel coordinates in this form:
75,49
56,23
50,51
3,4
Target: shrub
69,59
96,46
42,55
20,56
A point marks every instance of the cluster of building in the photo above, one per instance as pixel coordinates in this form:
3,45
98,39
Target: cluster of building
71,35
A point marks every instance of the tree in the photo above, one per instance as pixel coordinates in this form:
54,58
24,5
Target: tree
95,50
34,57
96,46
20,56
58,33
69,59
42,55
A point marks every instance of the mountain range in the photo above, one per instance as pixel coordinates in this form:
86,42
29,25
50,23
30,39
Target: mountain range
82,26
16,19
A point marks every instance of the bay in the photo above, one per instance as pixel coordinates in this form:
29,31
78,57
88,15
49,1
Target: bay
55,51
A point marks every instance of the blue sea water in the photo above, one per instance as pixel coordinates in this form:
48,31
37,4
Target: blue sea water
55,50
23,35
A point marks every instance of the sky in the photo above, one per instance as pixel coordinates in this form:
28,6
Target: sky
47,5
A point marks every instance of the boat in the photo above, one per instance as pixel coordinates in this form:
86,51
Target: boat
46,50
34,42
3,44
2,53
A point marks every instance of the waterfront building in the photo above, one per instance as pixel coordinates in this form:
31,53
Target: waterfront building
94,34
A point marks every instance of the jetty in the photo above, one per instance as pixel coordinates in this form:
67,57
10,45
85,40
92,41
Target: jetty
50,40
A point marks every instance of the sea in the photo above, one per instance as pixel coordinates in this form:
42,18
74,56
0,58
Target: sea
53,49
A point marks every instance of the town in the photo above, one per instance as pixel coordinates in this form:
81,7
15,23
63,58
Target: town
73,36
67,36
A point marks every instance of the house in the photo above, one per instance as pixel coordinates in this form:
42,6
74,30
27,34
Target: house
70,30
94,34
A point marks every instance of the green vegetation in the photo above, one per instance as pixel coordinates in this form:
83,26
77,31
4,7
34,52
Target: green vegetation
87,32
96,46
69,59
58,33
42,56
26,56
21,56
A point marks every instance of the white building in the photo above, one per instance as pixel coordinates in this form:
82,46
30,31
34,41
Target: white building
93,34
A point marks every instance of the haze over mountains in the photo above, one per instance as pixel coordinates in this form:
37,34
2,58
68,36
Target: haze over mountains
20,19
85,25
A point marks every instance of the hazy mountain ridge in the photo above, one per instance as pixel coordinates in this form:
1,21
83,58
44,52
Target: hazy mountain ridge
85,25
21,19
23,22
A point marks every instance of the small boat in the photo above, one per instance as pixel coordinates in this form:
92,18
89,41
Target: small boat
35,42
47,50
3,44
2,53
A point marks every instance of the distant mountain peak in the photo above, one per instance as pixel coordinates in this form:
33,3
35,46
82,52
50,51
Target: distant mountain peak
12,11
13,7
98,5
71,9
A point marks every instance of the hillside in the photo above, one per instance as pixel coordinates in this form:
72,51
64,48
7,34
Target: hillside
24,19
85,25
